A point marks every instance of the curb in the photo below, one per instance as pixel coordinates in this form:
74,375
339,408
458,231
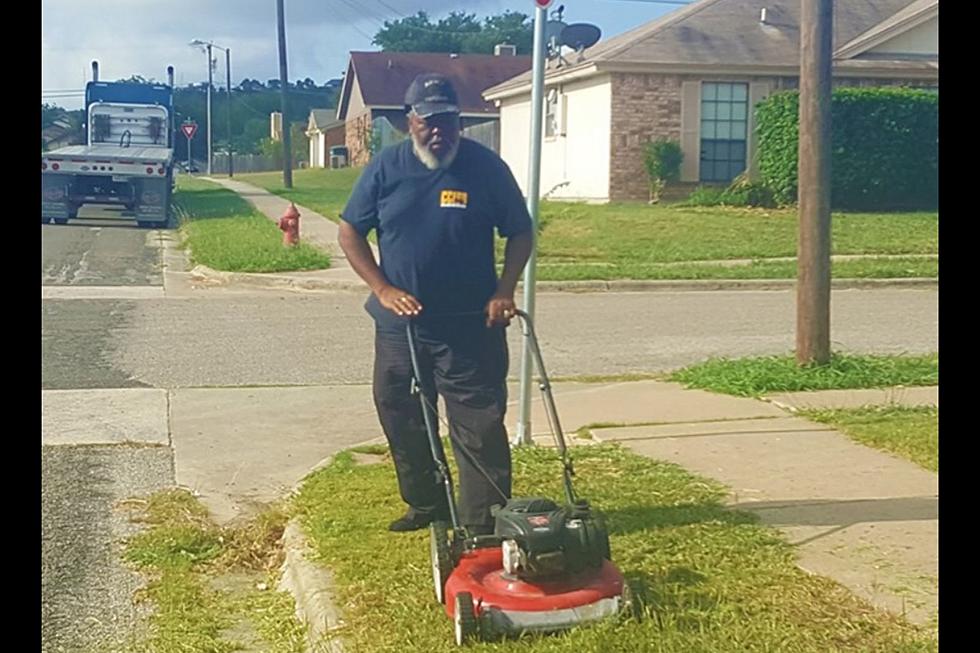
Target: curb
204,274
633,285
310,585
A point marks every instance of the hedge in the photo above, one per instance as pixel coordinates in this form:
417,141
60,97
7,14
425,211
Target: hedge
884,153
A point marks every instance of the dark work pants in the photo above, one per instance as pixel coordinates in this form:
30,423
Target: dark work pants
466,363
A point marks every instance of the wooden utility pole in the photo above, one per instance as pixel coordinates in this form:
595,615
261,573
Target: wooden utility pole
813,262
287,149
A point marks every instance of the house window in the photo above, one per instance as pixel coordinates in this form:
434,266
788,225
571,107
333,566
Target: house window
724,129
551,114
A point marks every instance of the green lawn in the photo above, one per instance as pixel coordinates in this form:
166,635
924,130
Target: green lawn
324,191
716,580
225,232
909,432
212,589
636,241
757,376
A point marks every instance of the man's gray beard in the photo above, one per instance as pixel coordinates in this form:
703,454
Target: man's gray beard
430,160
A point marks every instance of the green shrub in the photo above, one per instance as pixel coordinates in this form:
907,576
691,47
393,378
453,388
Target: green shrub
745,192
884,150
662,159
741,192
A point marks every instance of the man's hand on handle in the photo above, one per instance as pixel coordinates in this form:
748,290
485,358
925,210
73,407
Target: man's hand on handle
500,309
398,301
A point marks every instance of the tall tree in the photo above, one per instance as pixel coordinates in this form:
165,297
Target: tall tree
458,32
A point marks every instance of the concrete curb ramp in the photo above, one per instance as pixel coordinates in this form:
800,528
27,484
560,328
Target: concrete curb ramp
311,586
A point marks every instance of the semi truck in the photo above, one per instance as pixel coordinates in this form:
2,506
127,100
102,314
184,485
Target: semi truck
128,157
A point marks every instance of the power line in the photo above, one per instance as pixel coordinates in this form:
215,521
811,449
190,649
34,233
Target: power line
365,12
353,23
388,6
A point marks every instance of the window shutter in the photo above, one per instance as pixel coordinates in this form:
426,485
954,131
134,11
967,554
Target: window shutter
690,130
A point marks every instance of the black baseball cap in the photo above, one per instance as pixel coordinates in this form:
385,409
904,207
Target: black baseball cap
431,93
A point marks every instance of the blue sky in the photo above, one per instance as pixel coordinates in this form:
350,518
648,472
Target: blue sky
143,37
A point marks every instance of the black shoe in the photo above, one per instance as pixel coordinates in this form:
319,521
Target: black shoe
413,520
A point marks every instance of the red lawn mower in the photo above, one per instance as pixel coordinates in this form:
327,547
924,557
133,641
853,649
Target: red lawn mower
546,567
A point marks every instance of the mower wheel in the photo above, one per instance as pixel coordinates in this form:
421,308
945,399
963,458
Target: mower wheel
466,626
631,603
442,562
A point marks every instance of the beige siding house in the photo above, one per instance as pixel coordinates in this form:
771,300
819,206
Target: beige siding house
694,75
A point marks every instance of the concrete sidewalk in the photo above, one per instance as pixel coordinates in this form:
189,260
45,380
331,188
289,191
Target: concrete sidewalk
865,518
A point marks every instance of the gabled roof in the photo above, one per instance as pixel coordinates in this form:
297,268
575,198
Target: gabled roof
322,120
721,33
911,16
383,77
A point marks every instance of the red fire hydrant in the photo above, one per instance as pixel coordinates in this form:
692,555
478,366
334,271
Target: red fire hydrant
289,224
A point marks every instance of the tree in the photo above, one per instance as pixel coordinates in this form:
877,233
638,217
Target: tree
250,86
138,79
69,122
251,104
458,32
300,146
511,27
50,113
254,131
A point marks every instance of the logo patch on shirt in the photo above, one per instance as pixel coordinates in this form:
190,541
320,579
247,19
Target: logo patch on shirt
453,199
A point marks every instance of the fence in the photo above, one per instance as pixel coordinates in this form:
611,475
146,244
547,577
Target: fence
244,163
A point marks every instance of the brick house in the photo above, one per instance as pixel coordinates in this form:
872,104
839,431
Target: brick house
324,132
693,75
373,93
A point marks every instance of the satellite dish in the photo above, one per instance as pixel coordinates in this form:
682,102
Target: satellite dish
579,36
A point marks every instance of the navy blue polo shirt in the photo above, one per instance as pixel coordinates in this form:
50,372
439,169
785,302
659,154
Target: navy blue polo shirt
436,227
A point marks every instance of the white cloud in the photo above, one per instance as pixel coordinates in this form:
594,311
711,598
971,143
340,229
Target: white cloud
143,37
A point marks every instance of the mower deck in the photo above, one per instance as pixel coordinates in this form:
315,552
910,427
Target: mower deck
506,604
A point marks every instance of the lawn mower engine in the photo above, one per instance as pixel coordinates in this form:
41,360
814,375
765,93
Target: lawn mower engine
540,539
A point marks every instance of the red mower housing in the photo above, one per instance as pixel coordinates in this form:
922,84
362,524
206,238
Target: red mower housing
505,604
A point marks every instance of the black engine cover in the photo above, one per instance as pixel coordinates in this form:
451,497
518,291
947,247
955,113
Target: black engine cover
553,539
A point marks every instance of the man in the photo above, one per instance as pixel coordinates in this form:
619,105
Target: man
435,201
